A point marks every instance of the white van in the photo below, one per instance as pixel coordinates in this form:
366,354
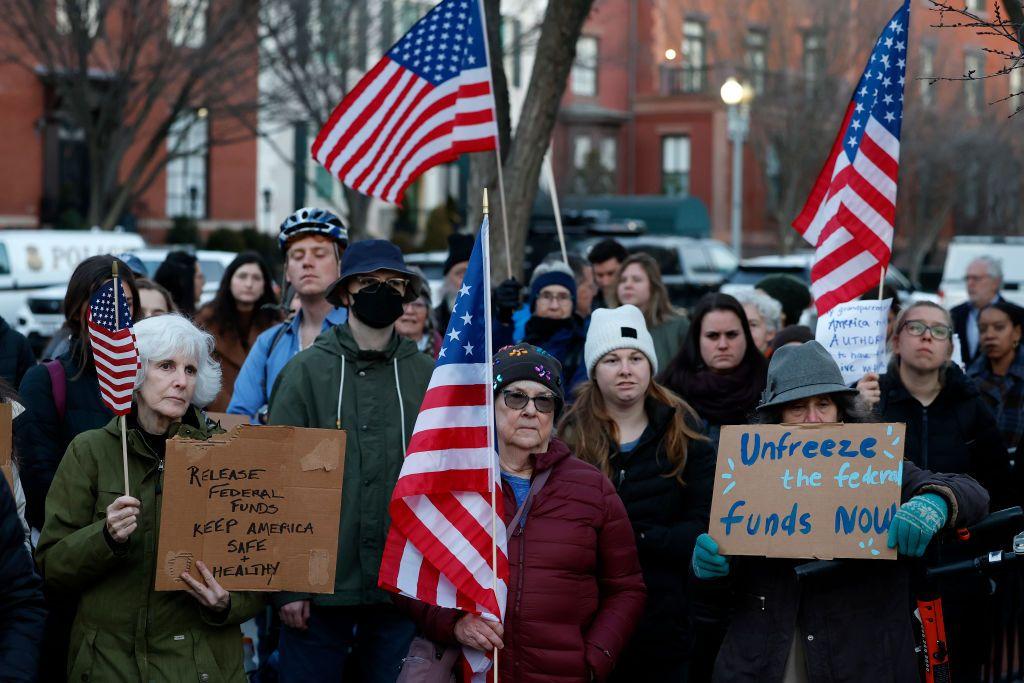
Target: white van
33,259
40,316
1009,251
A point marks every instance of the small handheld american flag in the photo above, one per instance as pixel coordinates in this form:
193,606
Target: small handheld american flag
427,101
113,346
850,215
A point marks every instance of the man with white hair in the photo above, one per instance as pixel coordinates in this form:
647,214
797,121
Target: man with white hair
984,278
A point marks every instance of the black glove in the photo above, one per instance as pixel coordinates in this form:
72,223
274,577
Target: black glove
507,297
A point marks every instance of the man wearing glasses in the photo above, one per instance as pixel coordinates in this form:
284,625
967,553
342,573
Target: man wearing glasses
362,377
984,278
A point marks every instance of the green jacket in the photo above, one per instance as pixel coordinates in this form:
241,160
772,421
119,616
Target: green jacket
124,630
306,394
668,338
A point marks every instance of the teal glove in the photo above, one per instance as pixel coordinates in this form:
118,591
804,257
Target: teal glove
707,562
916,522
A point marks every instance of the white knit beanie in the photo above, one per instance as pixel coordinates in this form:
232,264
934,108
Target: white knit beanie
618,328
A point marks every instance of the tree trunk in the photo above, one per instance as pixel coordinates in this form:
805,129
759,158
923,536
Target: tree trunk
556,50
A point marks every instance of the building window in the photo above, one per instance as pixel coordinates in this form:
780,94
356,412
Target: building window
976,6
584,69
511,47
675,165
324,182
974,88
925,86
88,16
186,22
1016,86
186,168
813,57
695,58
594,160
757,58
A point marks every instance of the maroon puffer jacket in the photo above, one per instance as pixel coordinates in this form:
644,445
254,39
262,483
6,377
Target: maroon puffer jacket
575,590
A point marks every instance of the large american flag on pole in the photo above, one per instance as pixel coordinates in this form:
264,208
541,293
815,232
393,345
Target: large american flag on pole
850,215
427,101
443,527
113,346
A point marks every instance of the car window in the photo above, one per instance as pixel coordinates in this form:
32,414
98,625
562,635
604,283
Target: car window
213,271
5,262
667,257
749,275
697,260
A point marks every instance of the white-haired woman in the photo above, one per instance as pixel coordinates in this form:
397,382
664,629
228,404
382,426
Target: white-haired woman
764,315
98,546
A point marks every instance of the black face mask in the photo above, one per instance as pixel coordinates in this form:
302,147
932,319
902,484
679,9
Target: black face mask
379,308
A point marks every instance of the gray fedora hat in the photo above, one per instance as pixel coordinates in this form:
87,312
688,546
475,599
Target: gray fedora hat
802,371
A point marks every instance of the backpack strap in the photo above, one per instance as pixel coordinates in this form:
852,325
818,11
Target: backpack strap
59,385
535,487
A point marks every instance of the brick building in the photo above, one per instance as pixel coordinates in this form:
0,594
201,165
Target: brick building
642,112
44,159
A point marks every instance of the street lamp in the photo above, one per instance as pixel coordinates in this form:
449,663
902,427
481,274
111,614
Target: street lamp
737,98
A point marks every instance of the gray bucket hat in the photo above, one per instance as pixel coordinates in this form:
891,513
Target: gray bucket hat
802,371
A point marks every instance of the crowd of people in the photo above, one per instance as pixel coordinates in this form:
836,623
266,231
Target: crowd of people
608,409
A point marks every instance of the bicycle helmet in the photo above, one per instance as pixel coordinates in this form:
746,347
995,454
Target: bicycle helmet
312,221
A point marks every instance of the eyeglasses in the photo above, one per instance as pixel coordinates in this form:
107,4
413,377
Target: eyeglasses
916,328
517,400
370,284
555,297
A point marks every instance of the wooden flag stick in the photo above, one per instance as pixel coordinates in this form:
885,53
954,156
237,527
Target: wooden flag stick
124,425
490,433
881,283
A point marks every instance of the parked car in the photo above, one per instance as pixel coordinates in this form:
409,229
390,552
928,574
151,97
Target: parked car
40,315
752,270
690,266
962,250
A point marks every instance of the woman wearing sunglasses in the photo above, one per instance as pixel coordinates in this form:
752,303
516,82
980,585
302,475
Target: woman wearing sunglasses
647,441
949,430
575,587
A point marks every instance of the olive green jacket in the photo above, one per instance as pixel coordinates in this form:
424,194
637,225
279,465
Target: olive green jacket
307,394
124,630
668,338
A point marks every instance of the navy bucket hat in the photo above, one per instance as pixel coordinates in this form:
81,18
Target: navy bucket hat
367,256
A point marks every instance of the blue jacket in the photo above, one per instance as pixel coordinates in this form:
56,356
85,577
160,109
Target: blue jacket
22,611
266,359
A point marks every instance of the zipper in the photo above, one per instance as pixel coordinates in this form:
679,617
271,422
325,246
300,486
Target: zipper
622,478
924,438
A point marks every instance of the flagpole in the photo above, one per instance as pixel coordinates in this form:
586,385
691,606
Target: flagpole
497,144
124,427
490,425
549,175
881,283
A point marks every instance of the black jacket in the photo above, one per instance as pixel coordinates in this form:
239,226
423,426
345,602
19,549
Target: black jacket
16,355
854,622
667,517
41,437
956,433
21,597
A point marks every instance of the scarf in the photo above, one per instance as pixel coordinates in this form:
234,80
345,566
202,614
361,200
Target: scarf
724,399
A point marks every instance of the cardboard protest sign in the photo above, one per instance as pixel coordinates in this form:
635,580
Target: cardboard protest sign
854,334
817,491
6,442
260,506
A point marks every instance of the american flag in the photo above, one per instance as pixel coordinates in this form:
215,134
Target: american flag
851,213
113,346
427,101
439,546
